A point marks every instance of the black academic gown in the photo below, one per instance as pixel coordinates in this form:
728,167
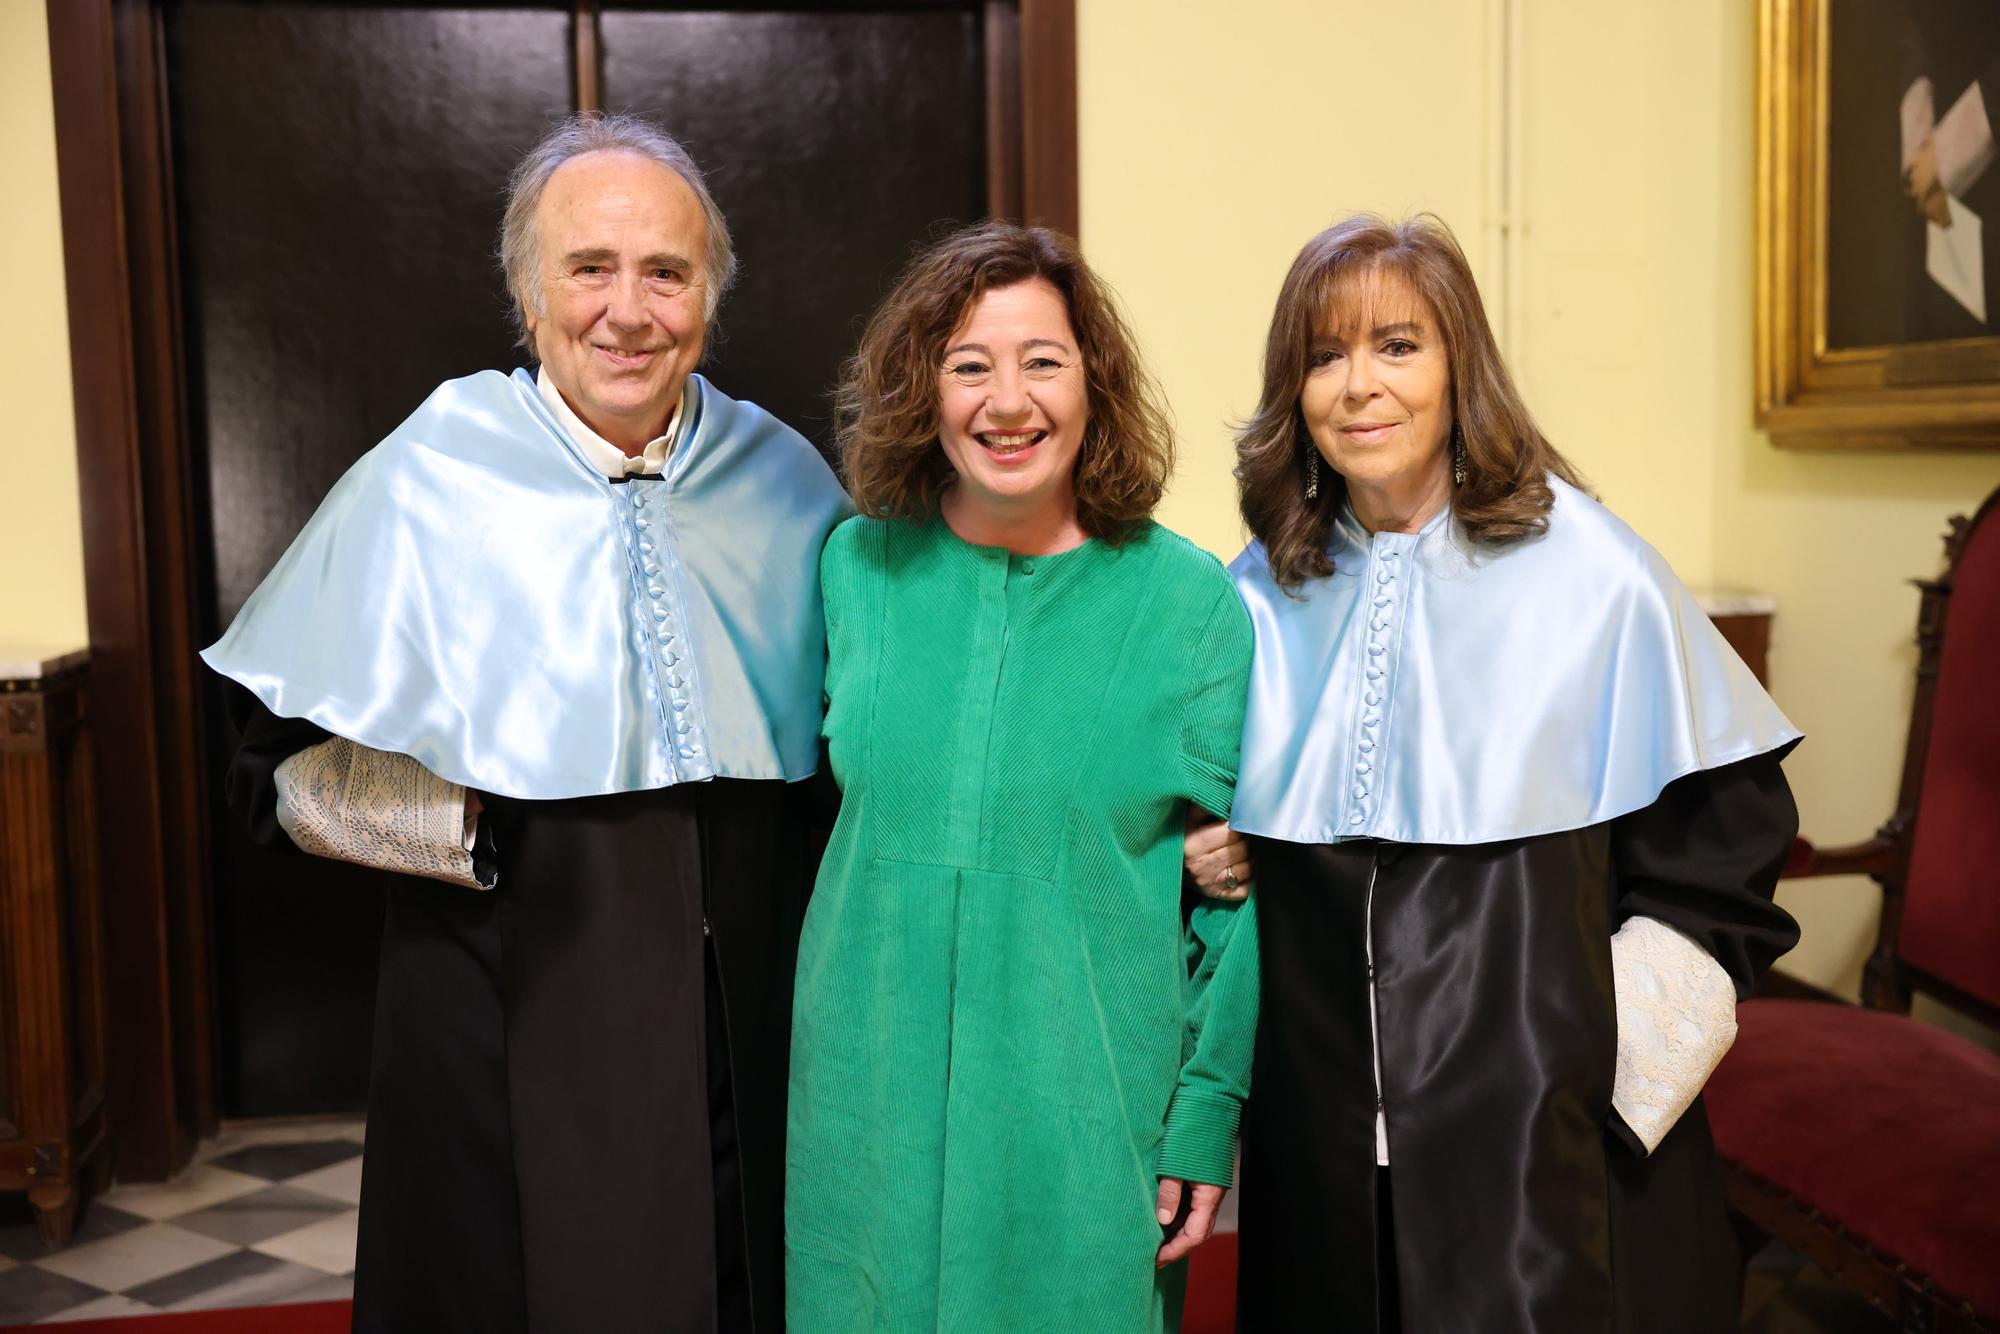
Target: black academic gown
1515,1198
576,1109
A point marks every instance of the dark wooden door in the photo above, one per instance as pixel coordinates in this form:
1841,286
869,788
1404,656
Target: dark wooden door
834,142
338,174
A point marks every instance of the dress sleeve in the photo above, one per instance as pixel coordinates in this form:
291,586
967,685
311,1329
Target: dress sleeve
1211,715
851,550
1220,1007
251,786
1704,859
1696,927
1218,1042
297,787
849,589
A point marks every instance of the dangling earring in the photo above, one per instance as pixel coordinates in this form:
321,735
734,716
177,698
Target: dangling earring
1457,456
1312,474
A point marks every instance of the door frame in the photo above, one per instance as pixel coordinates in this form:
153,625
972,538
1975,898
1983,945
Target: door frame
140,537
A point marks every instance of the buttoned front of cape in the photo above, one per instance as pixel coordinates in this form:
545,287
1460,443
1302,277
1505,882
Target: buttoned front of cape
1007,1025
537,631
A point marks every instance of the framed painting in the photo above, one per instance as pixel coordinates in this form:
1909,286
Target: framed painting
1878,223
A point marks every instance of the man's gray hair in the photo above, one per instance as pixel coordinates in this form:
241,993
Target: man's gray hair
596,132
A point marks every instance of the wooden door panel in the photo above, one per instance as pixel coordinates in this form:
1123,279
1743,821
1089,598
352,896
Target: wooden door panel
340,173
835,143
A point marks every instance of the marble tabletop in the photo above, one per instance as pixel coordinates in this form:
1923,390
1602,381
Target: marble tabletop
35,660
1734,602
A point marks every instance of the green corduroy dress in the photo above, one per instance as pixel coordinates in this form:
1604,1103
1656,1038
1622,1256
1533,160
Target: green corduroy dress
1007,1026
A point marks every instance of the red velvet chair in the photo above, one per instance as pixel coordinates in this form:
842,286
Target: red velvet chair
1867,1141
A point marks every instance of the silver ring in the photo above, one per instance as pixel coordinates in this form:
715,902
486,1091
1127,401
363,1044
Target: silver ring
1229,879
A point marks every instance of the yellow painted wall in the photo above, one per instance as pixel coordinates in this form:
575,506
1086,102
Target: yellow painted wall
1640,224
1215,139
41,536
1622,241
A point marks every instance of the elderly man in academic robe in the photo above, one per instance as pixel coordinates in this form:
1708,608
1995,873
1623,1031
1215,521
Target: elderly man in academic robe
552,652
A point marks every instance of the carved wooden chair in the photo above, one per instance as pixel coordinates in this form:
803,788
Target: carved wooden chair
1865,1140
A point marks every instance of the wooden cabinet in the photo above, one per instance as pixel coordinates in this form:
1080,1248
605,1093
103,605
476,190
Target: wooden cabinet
52,1123
1745,621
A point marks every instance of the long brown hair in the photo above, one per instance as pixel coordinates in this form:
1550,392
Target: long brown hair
1505,496
886,413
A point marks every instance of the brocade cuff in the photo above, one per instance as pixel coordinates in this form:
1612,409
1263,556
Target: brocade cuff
373,808
1676,1019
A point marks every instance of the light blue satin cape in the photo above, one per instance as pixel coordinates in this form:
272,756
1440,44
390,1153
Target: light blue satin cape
474,594
1432,691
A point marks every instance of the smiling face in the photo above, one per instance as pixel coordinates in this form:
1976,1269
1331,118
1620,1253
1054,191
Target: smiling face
621,319
1012,407
1377,394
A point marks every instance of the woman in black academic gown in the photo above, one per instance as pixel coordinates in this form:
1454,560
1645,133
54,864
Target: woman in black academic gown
1516,814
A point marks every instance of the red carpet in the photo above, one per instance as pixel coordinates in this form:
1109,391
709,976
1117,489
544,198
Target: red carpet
311,1318
1211,1296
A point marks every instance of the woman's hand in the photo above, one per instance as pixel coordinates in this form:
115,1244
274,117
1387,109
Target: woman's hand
1215,857
1200,1221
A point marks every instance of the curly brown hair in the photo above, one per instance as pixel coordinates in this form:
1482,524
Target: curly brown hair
1505,496
886,414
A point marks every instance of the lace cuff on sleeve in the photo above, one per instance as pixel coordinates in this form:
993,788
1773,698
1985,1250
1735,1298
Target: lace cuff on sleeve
1676,1018
353,804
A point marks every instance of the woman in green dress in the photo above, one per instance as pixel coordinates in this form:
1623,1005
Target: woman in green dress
1019,1056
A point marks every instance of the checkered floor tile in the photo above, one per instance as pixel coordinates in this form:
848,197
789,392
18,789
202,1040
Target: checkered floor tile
265,1214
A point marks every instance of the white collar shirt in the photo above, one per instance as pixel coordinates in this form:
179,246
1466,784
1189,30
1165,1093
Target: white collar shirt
606,457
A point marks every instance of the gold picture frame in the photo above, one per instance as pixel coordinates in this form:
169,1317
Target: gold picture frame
1929,393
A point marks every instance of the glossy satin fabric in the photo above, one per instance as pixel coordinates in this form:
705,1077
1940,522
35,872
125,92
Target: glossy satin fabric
1516,1210
1432,692
474,594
